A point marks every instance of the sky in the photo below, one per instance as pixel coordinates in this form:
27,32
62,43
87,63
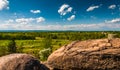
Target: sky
82,15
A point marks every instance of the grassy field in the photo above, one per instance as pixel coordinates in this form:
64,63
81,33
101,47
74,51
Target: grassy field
34,46
37,43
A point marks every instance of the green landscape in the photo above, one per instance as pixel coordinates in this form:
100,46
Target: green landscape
59,34
42,44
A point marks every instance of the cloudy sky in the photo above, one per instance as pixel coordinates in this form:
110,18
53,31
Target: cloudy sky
88,15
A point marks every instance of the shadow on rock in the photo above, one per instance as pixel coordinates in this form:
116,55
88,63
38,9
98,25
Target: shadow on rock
20,62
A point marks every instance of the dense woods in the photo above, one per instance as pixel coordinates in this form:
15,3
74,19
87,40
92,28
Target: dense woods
56,35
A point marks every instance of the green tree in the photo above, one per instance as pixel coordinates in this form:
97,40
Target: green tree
12,46
44,54
47,45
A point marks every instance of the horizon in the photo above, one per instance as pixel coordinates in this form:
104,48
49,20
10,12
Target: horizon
58,31
60,15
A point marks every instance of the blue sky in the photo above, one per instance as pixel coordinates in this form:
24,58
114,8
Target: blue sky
88,15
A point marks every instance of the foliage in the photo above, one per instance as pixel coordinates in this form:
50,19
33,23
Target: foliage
3,50
44,54
20,48
67,35
36,43
12,47
47,44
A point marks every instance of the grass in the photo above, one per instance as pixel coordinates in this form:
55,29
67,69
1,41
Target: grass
34,46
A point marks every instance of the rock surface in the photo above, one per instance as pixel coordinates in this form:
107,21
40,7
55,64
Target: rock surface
99,54
20,62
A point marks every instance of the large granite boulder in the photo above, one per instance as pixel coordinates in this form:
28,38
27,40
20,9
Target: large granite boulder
20,62
99,54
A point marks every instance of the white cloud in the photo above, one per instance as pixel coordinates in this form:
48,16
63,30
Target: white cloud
71,18
69,9
9,21
24,20
29,20
91,8
82,26
99,26
64,9
112,6
4,4
40,19
35,11
117,20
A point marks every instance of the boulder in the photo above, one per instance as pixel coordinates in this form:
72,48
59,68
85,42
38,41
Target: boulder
99,54
20,62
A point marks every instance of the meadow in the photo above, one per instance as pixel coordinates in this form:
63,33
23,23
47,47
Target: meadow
42,44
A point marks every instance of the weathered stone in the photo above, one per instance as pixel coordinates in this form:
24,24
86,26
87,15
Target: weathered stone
100,54
20,62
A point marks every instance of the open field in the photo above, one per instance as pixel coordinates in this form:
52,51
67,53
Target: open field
34,42
33,46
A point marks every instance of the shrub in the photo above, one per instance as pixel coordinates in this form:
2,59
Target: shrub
44,54
110,36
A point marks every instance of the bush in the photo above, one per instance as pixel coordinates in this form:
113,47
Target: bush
44,54
47,45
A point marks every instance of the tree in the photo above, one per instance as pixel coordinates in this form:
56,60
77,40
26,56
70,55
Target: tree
12,46
43,54
47,45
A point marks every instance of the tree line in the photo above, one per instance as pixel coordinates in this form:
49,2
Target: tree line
56,35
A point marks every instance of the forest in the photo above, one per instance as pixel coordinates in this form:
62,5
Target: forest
42,44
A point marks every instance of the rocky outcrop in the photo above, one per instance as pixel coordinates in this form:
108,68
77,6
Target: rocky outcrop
20,62
100,54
